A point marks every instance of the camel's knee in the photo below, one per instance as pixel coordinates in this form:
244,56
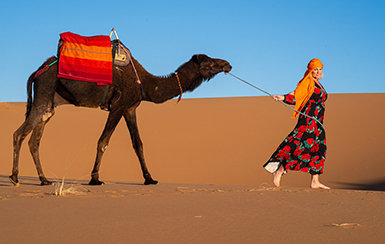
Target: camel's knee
47,115
102,146
18,136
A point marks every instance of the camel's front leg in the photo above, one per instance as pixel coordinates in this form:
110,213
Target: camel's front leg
112,121
130,117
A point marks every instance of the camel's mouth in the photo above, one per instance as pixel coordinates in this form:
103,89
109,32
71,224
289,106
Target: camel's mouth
223,65
227,68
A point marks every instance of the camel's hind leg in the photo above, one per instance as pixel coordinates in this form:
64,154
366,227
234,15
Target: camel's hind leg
34,143
18,138
30,123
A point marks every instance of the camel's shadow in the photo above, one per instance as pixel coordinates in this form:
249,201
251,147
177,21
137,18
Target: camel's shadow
34,181
27,180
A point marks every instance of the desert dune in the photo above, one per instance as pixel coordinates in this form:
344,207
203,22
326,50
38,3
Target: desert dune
207,155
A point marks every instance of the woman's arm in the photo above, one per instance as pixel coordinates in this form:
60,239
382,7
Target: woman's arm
288,98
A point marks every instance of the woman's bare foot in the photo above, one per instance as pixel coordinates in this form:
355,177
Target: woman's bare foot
277,176
316,184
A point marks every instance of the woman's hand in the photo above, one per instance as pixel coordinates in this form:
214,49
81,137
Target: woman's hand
278,97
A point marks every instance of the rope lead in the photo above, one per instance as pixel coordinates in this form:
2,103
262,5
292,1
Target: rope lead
314,118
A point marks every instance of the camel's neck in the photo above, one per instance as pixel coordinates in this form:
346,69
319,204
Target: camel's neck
160,89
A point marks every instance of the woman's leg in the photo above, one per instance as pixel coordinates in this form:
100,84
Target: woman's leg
316,184
277,176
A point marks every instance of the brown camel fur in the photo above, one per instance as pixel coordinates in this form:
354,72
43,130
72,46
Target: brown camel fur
121,99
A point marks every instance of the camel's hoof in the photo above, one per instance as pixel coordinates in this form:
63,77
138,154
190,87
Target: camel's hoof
94,182
45,183
14,180
150,182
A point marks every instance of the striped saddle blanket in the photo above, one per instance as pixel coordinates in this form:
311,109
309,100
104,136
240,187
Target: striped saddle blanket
85,58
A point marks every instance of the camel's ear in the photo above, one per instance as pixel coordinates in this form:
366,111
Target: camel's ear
199,58
195,58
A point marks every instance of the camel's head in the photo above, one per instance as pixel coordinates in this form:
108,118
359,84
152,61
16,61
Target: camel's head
201,68
209,67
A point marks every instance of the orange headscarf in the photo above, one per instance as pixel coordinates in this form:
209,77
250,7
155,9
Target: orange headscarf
305,87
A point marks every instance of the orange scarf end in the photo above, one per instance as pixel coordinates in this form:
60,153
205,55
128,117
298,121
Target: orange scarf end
306,86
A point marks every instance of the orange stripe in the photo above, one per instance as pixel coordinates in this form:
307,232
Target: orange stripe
99,49
74,53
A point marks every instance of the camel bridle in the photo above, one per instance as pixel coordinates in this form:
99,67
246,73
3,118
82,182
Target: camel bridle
180,87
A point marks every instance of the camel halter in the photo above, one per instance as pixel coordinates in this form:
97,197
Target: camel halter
314,118
180,87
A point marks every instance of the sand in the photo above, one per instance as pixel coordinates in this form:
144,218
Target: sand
207,155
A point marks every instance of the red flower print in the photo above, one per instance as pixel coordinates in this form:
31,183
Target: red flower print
306,170
297,152
280,154
312,126
310,141
286,149
306,157
287,166
315,148
317,91
314,159
299,135
302,128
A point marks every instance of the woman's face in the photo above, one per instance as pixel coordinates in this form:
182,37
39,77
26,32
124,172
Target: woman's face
317,73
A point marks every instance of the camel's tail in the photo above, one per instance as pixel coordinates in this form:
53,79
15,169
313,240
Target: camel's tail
44,67
30,81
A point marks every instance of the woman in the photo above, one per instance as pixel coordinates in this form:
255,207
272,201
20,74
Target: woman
304,148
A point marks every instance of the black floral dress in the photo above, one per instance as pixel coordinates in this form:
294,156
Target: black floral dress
305,147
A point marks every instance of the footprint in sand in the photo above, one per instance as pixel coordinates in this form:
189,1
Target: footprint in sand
345,225
31,194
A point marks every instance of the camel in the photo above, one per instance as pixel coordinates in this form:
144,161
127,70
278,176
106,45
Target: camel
120,99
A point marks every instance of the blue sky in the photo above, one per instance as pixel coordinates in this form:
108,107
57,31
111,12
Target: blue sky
268,43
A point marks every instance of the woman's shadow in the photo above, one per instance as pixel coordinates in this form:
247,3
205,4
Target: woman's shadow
377,185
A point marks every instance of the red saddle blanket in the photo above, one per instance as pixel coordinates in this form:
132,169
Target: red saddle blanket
85,58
